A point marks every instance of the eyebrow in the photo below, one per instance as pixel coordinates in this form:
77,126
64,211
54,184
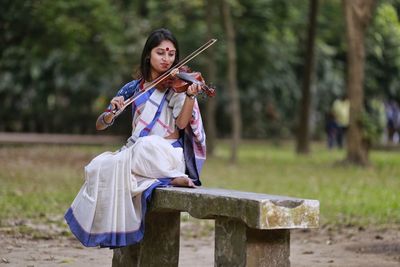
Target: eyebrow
163,49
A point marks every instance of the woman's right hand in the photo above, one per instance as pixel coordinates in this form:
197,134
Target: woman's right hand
117,102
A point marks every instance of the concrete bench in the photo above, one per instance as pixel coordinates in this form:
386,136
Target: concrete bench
250,229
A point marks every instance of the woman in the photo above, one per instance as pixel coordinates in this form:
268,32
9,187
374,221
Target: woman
167,147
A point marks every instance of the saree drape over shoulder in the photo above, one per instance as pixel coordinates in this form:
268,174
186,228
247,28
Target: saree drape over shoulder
109,209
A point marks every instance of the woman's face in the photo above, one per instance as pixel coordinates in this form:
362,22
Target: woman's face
161,58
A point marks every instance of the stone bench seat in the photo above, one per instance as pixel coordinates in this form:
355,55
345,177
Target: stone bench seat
251,229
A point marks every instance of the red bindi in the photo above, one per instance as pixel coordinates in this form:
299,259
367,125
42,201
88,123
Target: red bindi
167,49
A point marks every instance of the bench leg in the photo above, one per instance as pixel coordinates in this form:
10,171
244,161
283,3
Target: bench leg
159,247
126,256
238,245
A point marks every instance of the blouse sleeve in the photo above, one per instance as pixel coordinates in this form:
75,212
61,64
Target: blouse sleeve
176,103
126,91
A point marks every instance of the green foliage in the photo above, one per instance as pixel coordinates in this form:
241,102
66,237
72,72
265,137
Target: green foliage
371,131
330,56
64,54
373,121
383,65
61,61
269,55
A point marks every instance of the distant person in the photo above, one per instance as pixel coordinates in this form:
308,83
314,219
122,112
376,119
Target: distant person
330,129
341,113
393,121
166,148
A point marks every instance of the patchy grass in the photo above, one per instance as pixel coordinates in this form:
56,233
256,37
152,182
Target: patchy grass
347,194
40,182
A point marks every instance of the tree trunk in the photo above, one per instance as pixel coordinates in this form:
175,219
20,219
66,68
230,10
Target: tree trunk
303,135
143,10
211,74
232,81
358,14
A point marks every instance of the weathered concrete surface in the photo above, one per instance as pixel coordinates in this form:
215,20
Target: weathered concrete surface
259,211
230,243
238,245
268,248
250,230
160,245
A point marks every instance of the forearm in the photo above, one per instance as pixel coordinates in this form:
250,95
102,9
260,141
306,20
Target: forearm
186,113
106,119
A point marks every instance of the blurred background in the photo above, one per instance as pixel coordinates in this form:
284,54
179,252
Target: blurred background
62,61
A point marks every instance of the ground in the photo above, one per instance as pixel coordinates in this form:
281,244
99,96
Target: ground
344,246
26,243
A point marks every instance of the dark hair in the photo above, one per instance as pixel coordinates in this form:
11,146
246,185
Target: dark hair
154,39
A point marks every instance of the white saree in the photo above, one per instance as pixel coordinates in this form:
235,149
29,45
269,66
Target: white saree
110,207
103,212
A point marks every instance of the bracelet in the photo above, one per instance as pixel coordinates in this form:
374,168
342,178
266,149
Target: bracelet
190,96
107,123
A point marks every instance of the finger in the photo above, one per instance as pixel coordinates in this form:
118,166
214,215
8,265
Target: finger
118,102
115,104
112,102
193,88
198,88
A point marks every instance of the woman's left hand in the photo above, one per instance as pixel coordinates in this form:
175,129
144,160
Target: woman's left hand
193,90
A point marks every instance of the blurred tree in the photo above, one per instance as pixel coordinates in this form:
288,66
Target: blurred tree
303,134
330,61
60,62
232,79
58,57
383,54
358,14
270,35
210,122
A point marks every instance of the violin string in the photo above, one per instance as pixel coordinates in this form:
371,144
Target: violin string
184,61
165,75
180,64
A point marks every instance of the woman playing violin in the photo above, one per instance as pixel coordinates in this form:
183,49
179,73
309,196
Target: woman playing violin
167,147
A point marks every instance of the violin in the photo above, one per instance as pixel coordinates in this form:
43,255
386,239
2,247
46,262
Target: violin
183,79
187,77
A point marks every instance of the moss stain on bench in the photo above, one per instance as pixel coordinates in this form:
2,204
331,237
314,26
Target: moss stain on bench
277,216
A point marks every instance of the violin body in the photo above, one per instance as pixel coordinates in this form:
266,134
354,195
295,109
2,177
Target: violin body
182,80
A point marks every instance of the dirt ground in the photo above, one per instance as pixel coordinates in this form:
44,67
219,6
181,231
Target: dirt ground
348,246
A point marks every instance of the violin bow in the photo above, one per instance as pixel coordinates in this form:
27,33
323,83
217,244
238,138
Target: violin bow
162,77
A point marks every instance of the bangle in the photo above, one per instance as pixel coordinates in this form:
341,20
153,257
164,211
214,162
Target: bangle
190,96
107,123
